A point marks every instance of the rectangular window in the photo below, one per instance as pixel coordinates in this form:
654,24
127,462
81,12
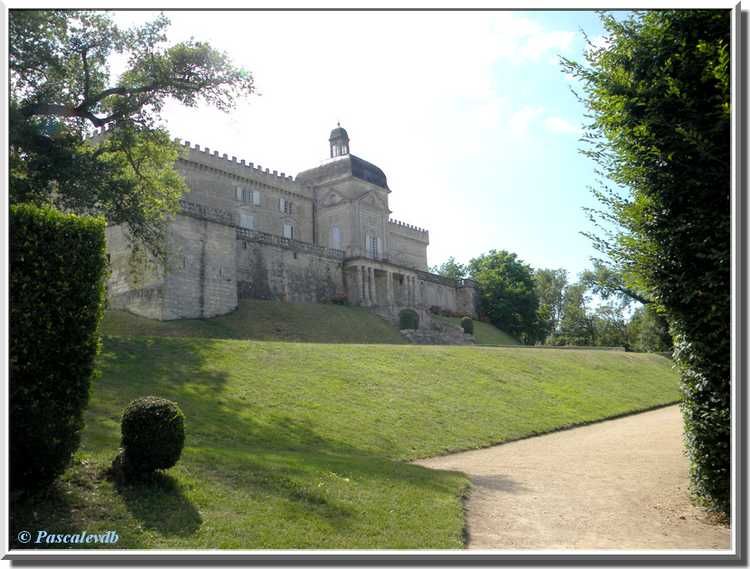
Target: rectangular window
288,231
247,221
372,246
238,193
256,197
335,237
285,206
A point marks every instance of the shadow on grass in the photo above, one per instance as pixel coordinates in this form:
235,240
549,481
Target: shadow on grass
160,504
274,456
50,509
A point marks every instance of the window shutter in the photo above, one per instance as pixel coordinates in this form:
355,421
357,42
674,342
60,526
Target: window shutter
281,205
238,193
380,247
256,197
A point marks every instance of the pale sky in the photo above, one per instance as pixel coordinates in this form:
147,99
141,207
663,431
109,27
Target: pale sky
467,113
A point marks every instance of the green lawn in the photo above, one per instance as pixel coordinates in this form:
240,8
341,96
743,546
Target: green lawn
294,445
485,333
268,320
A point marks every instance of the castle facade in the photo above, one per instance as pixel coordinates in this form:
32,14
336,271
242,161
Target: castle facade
325,235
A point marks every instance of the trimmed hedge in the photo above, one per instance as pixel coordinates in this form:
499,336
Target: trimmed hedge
58,270
408,319
153,434
468,325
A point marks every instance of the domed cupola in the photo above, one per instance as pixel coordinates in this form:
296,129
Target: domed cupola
339,141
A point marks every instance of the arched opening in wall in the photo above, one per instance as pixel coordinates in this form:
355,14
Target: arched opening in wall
408,319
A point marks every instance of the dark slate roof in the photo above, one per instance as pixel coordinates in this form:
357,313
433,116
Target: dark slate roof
342,166
338,132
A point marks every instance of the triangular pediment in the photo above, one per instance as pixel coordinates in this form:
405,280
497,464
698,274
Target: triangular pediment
372,200
332,198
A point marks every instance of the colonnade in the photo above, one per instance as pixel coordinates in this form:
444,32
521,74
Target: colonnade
407,289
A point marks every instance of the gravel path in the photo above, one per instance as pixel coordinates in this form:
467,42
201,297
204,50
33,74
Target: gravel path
619,484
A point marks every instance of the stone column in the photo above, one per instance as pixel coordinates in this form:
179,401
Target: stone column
365,287
389,287
359,284
373,288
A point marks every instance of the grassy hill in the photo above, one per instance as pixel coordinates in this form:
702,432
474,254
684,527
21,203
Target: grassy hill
268,320
301,445
485,333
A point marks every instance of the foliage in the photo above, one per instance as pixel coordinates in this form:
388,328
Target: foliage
61,89
609,327
576,325
647,332
658,94
550,286
322,462
610,283
57,281
467,324
408,319
508,296
153,434
450,269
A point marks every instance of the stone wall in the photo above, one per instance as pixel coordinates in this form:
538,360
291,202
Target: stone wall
279,269
214,181
136,280
201,280
407,245
460,298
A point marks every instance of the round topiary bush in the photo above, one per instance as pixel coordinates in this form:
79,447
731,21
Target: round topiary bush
153,434
408,319
468,325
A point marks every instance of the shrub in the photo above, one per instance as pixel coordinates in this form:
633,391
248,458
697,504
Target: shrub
468,325
153,434
408,319
340,300
58,270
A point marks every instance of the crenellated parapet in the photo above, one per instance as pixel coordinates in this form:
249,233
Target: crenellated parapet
407,230
223,162
231,165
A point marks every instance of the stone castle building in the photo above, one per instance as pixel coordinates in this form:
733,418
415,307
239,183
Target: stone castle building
325,235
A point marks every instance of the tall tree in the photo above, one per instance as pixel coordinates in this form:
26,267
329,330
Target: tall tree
658,95
550,286
609,327
451,269
576,325
61,89
610,283
508,297
646,332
